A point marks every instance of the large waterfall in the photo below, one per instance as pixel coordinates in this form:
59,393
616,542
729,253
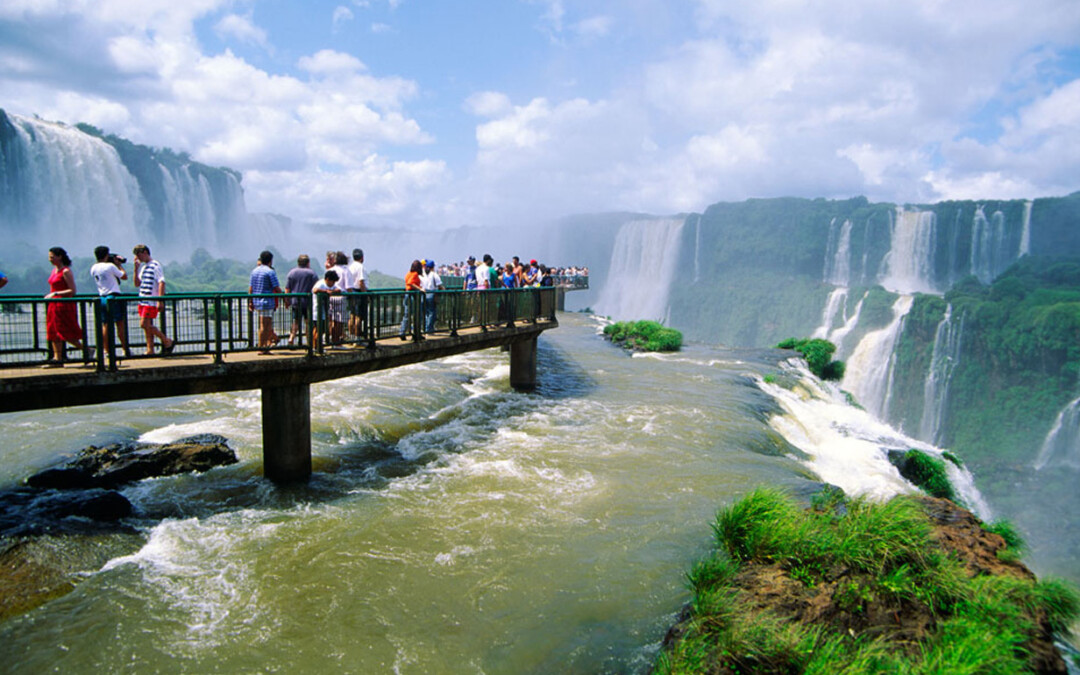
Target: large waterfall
63,186
644,261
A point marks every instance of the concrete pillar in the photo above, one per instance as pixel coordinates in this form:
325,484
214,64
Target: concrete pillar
286,422
523,364
560,298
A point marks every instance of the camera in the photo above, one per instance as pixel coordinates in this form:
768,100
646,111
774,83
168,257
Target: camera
116,258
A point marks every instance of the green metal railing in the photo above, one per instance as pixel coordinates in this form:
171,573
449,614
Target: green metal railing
223,323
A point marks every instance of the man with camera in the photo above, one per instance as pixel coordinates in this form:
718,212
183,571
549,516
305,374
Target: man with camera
108,272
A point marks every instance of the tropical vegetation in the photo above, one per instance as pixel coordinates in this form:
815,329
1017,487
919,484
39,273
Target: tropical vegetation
649,336
854,586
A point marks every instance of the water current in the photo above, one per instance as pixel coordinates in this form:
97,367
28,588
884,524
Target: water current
452,524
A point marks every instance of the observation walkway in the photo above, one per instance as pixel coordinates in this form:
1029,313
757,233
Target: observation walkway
216,350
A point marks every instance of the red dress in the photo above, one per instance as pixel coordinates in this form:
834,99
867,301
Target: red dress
61,319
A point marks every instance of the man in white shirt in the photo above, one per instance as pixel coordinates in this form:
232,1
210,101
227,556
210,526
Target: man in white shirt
430,281
108,272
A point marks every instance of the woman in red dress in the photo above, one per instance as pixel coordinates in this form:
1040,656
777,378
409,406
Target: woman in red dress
61,320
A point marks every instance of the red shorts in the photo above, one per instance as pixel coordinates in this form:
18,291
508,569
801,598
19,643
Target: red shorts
148,311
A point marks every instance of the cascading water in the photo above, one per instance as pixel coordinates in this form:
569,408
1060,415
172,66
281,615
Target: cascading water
1025,231
838,254
909,265
644,260
836,302
943,362
67,188
1062,445
63,186
869,373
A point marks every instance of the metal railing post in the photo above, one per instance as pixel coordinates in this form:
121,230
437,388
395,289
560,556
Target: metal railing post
99,343
218,314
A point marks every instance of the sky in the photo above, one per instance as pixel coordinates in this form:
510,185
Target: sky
509,113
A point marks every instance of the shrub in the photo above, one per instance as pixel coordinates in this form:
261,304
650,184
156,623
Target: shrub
928,473
818,354
648,336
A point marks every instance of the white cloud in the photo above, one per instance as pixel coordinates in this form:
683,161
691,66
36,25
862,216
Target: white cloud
341,15
330,62
593,27
380,28
241,28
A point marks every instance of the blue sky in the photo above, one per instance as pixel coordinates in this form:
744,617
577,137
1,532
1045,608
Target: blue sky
479,112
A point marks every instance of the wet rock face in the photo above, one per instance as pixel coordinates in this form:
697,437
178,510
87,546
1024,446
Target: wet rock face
26,511
114,465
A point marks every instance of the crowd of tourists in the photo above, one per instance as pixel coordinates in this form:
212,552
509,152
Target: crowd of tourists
344,280
558,276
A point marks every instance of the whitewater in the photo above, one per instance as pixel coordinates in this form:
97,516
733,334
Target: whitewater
452,524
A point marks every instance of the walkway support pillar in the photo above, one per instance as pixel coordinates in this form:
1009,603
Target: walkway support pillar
286,422
523,364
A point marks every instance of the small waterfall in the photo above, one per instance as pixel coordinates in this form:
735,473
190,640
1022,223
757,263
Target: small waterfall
909,264
990,249
1062,444
943,362
837,300
697,248
838,335
644,260
1025,231
838,254
869,374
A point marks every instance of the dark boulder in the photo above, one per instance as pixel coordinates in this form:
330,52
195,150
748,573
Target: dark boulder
25,511
114,465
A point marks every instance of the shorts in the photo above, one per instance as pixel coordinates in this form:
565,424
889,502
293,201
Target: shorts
148,311
265,313
301,311
112,309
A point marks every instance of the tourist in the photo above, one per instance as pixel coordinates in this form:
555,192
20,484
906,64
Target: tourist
61,319
530,275
301,281
358,301
337,303
107,273
470,274
151,279
3,280
430,281
326,286
483,274
412,283
510,275
264,282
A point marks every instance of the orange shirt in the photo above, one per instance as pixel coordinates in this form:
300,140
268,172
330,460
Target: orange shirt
412,281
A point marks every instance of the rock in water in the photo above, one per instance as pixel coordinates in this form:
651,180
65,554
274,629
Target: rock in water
114,465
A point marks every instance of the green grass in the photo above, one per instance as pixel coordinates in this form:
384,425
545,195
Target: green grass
872,558
818,354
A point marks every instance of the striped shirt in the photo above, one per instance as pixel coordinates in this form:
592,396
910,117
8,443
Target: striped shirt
150,276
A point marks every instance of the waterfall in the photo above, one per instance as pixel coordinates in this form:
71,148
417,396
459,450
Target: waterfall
1062,444
644,260
991,252
1025,231
838,335
837,299
943,361
697,248
62,186
909,264
69,189
838,254
869,373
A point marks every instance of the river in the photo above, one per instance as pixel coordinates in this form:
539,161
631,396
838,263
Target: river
452,524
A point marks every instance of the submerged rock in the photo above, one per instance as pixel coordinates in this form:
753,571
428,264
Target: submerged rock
26,511
114,465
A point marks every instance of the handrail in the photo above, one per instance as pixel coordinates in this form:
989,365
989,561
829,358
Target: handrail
222,323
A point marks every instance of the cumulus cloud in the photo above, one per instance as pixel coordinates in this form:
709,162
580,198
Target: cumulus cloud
341,15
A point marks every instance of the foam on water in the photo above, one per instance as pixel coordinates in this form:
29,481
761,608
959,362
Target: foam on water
848,447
